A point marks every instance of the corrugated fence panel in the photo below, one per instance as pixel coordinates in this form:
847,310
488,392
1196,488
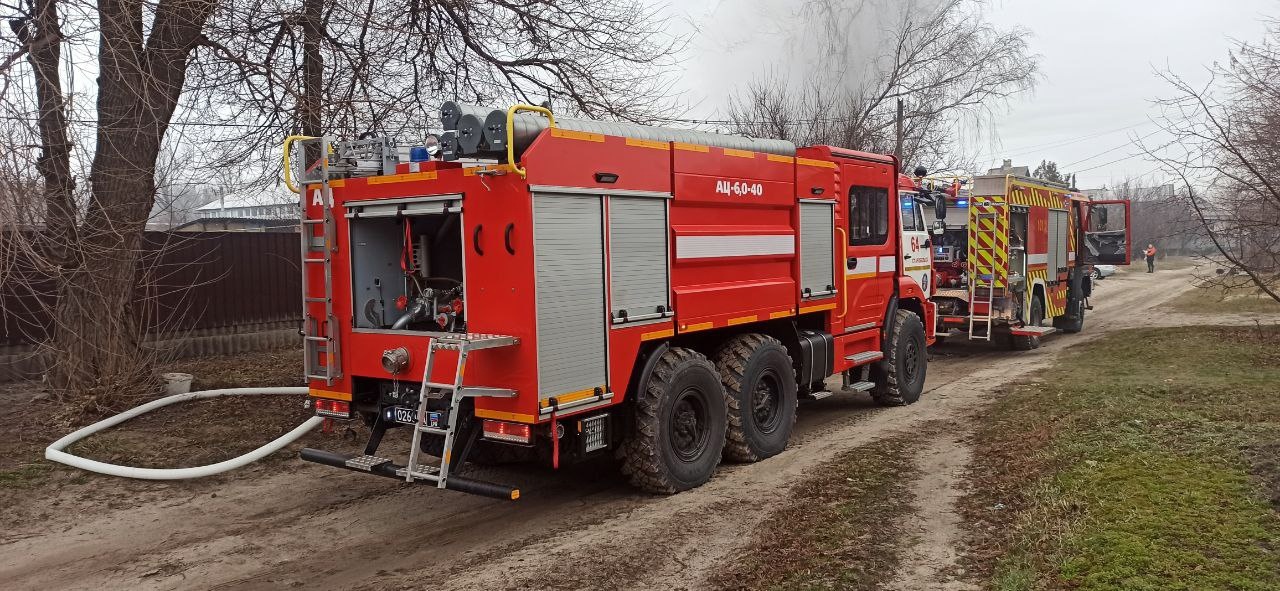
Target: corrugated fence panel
187,281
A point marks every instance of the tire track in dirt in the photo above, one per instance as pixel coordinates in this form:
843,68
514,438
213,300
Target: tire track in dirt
571,558
934,527
301,524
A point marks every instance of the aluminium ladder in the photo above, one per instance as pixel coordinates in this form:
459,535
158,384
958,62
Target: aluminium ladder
320,338
464,344
982,286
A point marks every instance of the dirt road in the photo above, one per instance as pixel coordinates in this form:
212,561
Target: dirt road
294,524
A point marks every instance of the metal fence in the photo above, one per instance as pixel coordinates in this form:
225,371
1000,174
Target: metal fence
187,282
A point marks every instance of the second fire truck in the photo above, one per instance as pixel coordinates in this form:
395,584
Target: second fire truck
1012,255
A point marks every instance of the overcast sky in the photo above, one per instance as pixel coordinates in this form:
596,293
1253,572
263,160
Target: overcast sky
1098,63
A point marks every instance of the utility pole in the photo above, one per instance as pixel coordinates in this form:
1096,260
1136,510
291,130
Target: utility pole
897,146
309,106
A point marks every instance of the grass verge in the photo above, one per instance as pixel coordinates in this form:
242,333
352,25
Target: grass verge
1210,299
1144,460
840,529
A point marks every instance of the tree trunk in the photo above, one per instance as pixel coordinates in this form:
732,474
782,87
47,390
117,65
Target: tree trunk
54,164
97,341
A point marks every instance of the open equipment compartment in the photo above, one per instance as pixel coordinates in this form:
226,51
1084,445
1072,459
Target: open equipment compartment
407,264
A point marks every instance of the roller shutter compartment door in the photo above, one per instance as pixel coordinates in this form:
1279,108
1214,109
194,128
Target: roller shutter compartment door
569,265
638,259
817,250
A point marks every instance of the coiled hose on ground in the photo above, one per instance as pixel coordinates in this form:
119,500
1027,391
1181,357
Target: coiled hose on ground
55,451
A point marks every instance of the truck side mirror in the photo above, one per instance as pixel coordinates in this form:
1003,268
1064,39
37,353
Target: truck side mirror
940,206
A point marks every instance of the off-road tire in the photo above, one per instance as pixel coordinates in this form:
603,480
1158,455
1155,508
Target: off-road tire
1029,342
747,362
649,455
899,377
1069,324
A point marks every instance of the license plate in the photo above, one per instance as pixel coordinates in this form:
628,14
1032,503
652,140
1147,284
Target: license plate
409,416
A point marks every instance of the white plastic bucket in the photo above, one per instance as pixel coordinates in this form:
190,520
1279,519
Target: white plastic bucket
177,383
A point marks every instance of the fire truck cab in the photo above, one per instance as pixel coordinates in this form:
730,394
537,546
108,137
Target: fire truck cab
553,289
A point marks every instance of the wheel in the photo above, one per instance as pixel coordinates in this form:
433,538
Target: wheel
1071,324
679,430
760,393
1027,343
1095,274
903,380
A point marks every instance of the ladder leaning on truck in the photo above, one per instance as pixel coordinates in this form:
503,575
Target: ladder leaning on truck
556,289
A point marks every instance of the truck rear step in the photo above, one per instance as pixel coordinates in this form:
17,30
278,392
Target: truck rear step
384,467
854,387
440,475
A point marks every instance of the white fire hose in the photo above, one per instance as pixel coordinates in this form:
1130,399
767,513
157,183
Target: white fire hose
55,450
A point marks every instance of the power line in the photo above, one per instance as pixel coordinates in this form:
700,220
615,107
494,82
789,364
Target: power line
1124,145
1131,156
1058,143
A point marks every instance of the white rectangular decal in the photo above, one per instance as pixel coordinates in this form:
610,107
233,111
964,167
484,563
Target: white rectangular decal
1037,259
888,263
702,247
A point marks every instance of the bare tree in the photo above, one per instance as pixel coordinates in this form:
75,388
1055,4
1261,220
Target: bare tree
1225,154
387,63
944,61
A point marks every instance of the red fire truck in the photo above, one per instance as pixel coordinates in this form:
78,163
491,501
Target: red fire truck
564,288
1012,253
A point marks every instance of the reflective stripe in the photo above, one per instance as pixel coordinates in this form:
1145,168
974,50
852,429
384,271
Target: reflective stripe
699,247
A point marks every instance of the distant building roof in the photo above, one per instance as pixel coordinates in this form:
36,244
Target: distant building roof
251,199
1008,168
232,224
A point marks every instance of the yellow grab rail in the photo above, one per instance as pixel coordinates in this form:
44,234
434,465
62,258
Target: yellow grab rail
288,168
511,132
